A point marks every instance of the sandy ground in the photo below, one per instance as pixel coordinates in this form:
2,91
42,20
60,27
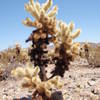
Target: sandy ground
81,82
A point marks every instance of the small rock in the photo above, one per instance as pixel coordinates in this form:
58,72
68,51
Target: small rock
91,83
95,91
93,79
5,94
4,97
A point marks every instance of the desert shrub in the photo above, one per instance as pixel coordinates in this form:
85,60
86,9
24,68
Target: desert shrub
91,53
14,54
12,58
0,72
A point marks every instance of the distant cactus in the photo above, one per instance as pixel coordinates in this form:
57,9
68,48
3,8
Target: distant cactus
0,72
14,54
92,53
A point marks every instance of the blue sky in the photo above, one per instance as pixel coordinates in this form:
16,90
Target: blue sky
84,13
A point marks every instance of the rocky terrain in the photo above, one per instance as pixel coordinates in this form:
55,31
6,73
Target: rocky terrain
81,82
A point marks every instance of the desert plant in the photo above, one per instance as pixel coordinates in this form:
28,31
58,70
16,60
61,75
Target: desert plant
48,30
14,54
0,70
90,51
45,22
31,79
65,49
2,76
11,58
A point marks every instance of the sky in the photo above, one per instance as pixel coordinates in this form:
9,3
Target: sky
84,13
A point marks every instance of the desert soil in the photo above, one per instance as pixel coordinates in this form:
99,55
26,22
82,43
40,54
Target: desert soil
81,82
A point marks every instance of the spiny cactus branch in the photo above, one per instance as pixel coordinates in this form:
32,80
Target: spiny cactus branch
62,62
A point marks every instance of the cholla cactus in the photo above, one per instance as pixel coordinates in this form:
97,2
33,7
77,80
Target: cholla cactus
44,18
91,53
17,48
48,31
1,72
65,37
0,69
14,54
84,50
28,72
65,48
31,79
24,57
45,23
20,54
